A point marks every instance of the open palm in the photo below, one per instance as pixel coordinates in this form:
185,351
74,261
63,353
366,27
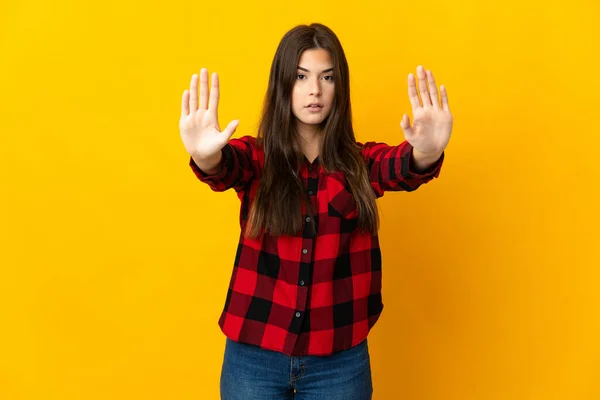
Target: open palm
432,125
199,123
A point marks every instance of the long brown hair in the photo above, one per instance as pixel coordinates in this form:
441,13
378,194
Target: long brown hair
277,205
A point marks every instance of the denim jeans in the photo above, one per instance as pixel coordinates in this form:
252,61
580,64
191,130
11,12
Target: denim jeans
252,373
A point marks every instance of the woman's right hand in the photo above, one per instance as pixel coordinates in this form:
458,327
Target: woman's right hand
199,126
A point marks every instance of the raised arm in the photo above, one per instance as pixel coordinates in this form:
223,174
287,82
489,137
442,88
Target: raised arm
419,158
215,159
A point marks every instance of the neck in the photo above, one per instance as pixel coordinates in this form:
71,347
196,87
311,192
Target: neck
309,135
310,140
310,145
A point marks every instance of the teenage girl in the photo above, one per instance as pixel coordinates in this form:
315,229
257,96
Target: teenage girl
305,289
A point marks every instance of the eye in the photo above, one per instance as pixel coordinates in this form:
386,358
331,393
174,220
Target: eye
327,76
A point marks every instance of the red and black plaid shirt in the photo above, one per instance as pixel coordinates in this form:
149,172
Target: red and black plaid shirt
309,294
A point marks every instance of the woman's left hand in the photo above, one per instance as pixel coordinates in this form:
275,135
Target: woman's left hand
432,126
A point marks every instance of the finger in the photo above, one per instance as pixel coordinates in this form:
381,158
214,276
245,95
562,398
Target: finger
412,93
185,103
405,125
194,93
230,129
445,104
214,93
433,92
203,88
423,87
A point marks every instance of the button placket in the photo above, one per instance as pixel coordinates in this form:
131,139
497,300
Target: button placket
312,187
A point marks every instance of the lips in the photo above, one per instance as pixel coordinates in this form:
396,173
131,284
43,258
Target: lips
314,105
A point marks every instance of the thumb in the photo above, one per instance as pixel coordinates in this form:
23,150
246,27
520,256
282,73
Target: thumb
230,129
405,125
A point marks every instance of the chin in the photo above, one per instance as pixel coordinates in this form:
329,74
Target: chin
318,122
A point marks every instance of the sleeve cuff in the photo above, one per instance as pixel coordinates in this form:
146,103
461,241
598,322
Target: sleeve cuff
203,176
432,170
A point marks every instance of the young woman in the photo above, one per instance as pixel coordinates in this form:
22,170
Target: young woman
305,288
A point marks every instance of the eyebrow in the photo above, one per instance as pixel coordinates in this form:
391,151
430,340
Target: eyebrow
325,70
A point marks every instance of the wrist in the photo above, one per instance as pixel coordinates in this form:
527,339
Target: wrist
208,163
422,161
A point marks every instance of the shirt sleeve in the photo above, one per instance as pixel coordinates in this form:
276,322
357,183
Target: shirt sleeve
391,168
239,165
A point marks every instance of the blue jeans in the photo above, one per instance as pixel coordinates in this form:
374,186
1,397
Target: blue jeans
252,373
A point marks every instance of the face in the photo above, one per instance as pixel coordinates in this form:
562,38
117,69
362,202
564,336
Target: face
314,84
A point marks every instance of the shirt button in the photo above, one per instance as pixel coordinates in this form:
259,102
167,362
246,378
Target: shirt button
310,192
301,283
304,251
297,314
307,219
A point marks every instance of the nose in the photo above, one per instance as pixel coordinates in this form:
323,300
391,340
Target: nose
315,88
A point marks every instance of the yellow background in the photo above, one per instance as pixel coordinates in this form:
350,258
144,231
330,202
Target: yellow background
115,260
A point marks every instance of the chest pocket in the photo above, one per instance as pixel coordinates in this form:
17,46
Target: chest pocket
340,200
